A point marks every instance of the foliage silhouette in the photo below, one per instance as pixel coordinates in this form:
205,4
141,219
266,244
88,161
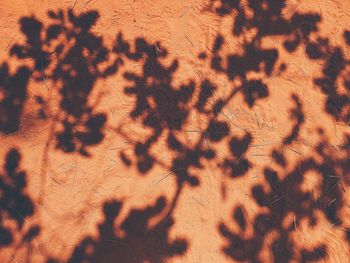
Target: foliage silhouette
164,108
13,95
286,195
237,163
266,20
15,203
337,103
68,56
134,240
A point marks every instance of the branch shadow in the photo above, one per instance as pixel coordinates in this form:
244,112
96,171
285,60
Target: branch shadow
133,240
16,206
67,56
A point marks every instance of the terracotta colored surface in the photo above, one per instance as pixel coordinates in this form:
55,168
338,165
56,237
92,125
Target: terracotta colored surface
174,131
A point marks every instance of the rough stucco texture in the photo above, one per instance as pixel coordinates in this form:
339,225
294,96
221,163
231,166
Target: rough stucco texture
174,131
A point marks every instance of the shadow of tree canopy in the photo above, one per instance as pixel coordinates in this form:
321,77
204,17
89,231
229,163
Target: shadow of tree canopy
286,197
335,71
266,20
165,108
253,22
134,240
67,56
13,95
15,204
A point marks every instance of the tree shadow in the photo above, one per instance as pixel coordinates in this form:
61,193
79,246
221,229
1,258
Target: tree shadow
15,204
135,239
253,22
164,109
68,58
287,196
335,73
238,164
13,94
